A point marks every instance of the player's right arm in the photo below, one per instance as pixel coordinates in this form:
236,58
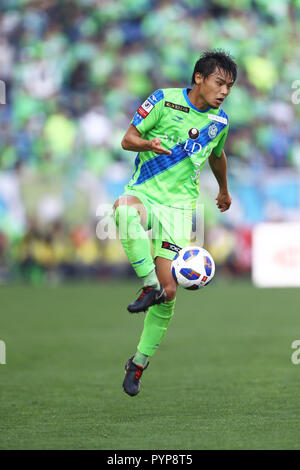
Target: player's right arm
132,140
145,119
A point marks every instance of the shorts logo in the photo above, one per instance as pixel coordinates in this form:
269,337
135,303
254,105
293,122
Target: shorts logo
170,246
212,131
145,108
178,107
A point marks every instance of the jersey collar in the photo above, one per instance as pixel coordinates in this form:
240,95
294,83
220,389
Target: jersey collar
185,94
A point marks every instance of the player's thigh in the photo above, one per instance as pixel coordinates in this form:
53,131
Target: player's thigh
171,232
163,270
127,200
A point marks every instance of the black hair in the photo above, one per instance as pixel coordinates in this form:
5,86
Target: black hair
209,60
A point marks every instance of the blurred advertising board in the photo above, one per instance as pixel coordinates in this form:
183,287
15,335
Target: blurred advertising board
276,255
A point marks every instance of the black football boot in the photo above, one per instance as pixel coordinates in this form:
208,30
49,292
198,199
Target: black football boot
148,297
132,381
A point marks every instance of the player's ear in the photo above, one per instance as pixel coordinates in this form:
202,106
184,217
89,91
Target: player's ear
198,78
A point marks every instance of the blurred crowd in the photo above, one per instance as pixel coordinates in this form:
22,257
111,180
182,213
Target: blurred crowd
75,71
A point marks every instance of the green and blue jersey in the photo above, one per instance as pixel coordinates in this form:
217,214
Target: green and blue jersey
189,133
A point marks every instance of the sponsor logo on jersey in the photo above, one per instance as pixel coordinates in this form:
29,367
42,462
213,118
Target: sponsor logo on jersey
178,107
221,119
172,139
145,108
192,147
193,133
177,119
170,246
212,131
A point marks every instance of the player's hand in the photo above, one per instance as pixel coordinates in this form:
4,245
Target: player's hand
223,201
157,148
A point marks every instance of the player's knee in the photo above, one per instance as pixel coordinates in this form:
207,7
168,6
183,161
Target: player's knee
125,213
116,204
170,290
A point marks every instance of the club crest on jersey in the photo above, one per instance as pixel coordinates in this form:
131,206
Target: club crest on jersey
212,131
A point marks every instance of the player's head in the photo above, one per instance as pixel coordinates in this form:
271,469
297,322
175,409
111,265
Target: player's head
214,74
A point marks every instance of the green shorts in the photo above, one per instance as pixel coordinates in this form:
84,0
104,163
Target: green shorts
170,227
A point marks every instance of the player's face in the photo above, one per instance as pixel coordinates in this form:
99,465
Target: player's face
215,88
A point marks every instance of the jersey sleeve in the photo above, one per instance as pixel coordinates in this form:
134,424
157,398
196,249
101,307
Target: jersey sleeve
149,113
218,149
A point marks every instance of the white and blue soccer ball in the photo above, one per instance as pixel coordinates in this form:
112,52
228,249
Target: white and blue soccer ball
193,267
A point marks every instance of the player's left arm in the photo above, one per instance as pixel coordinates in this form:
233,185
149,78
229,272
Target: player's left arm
218,166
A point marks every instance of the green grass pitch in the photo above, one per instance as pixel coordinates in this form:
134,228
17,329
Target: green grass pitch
221,379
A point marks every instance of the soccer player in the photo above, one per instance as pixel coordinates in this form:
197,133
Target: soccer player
174,132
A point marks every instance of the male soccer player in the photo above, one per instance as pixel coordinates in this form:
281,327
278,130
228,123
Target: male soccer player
174,132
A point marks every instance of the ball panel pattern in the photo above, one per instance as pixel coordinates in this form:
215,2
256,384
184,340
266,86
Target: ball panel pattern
174,274
189,254
207,265
189,273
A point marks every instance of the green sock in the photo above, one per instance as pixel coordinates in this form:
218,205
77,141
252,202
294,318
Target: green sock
155,326
151,280
140,359
134,239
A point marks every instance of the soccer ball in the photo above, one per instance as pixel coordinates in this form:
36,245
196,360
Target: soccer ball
193,267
